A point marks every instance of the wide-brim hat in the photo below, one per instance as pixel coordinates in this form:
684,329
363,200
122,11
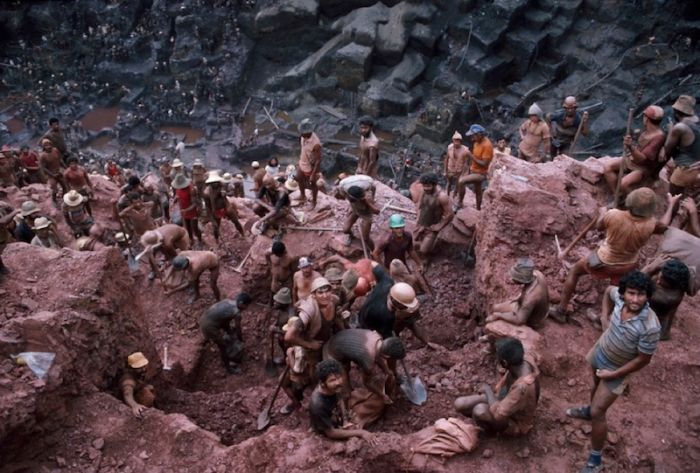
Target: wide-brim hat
283,296
306,126
523,271
318,283
180,182
41,222
333,274
198,162
214,177
137,360
226,178
28,208
73,198
177,163
291,185
685,104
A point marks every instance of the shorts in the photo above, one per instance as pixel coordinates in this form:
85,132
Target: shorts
683,177
616,386
600,270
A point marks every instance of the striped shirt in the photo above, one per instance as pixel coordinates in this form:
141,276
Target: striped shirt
623,341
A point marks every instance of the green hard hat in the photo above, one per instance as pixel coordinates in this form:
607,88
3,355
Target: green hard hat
397,221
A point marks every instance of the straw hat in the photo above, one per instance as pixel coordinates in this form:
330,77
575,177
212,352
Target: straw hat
291,185
28,208
46,141
137,360
73,198
319,283
283,296
227,177
180,182
214,177
255,164
177,163
198,162
685,104
41,222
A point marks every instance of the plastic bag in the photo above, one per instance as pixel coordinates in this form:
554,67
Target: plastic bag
37,361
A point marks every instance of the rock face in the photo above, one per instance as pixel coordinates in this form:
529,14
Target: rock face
526,205
78,305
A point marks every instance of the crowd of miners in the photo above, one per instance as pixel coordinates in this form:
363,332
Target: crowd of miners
329,315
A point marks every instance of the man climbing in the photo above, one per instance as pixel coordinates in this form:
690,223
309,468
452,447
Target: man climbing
309,161
535,140
631,334
218,206
137,215
51,164
168,239
221,323
434,214
303,279
368,163
673,280
194,263
368,351
362,207
455,163
186,197
564,124
136,392
324,412
282,266
55,135
76,215
683,145
531,306
45,237
282,310
313,326
512,409
481,157
626,232
642,162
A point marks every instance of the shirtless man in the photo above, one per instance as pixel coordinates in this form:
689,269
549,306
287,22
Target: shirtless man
279,211
369,149
218,206
303,279
314,325
481,157
434,214
361,207
77,179
626,232
55,136
221,323
511,409
168,239
455,162
309,161
281,266
136,392
282,310
194,263
367,350
533,133
7,170
683,145
642,161
258,176
564,124
138,214
502,147
531,306
52,166
673,280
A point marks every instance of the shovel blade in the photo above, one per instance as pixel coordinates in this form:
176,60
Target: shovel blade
270,369
414,390
264,419
132,263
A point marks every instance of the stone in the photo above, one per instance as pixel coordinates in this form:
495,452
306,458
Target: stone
487,453
406,74
351,65
286,15
334,8
383,98
571,383
360,26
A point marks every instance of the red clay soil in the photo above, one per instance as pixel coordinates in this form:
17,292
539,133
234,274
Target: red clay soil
205,418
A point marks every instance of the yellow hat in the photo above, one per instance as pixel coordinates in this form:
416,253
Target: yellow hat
137,360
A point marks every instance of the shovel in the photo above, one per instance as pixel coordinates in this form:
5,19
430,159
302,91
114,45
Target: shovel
469,260
413,388
270,368
264,416
130,260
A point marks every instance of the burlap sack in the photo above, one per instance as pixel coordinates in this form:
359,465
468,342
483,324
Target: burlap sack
365,407
447,437
173,279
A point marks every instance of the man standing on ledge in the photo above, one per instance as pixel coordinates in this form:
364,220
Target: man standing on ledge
564,125
482,155
434,213
309,160
369,148
630,338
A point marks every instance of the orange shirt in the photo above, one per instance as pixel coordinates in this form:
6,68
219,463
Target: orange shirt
625,235
483,151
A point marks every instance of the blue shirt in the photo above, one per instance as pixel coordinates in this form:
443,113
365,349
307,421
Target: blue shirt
623,341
